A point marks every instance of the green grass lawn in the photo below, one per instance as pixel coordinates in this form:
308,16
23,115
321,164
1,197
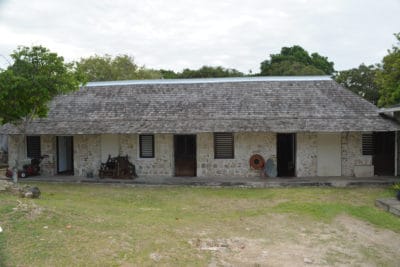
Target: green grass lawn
104,225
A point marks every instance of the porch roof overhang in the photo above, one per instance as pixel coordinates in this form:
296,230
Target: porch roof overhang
189,126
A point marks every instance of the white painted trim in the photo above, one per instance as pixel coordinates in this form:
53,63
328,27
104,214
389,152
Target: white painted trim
387,110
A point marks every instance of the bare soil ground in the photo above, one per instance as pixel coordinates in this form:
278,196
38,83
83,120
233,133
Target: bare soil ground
344,242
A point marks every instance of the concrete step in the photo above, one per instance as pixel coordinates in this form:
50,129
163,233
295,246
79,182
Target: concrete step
391,205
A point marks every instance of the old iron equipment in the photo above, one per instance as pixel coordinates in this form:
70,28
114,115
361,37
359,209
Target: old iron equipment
117,168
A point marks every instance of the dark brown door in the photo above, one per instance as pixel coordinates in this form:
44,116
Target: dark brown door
185,155
286,155
383,159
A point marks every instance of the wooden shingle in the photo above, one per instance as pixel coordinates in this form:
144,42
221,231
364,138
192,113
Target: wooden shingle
217,105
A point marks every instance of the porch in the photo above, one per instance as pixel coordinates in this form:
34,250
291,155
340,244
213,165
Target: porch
253,182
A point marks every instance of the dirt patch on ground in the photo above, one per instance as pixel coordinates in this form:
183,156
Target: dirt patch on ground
368,233
31,210
371,237
286,242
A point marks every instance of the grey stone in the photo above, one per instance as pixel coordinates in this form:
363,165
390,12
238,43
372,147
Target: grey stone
25,191
395,210
28,194
308,261
5,185
391,205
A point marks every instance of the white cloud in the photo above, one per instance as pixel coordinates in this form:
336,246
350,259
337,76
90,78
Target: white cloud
179,34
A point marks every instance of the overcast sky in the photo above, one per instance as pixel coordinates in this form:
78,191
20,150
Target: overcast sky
188,34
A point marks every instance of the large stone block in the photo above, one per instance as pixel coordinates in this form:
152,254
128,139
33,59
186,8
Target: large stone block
363,170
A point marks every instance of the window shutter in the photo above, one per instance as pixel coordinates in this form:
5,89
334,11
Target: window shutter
33,147
223,146
146,146
368,146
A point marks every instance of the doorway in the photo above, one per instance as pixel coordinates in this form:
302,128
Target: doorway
383,158
329,154
185,155
286,155
65,155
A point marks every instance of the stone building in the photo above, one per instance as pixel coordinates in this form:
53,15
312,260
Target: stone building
310,126
3,149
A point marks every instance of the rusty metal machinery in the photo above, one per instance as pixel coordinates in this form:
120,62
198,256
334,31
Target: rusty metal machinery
257,162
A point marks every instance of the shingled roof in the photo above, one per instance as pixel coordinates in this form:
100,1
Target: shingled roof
259,104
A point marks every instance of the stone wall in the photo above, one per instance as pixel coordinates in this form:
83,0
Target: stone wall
306,156
352,153
3,142
162,163
246,144
48,147
87,154
398,153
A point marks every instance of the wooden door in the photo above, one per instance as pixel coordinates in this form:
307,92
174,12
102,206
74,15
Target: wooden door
383,158
286,155
329,154
185,155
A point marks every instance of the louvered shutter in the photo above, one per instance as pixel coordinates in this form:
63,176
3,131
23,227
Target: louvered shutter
368,146
146,146
33,147
223,146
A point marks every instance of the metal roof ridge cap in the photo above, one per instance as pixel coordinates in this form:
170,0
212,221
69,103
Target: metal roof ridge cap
211,80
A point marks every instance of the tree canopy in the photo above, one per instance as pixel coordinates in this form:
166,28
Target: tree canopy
388,79
361,80
108,68
209,72
203,72
35,77
296,60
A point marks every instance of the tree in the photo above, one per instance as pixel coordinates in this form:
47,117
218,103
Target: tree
203,72
296,60
290,68
148,74
361,80
121,67
209,72
169,74
388,79
34,78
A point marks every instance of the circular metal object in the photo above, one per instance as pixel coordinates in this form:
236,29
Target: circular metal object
257,162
